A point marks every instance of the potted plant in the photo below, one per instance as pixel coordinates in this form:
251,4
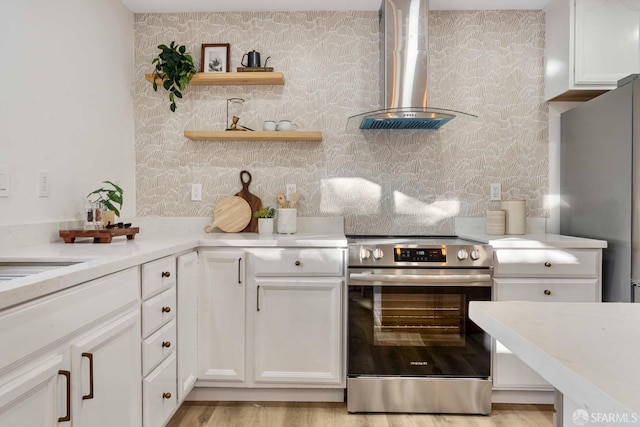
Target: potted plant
265,219
108,198
174,68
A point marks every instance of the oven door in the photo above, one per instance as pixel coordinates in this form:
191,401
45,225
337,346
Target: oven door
415,323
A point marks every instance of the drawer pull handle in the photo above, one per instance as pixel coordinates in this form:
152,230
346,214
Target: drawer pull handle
67,417
547,292
90,357
166,344
166,274
166,395
547,264
166,309
298,263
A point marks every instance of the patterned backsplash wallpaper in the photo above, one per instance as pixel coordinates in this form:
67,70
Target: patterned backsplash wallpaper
487,63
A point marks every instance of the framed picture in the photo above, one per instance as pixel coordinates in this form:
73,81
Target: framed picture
215,58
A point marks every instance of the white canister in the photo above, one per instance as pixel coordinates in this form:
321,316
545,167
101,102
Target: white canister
287,219
515,219
496,222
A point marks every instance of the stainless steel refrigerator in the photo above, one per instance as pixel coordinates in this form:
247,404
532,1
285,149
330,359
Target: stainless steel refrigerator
600,182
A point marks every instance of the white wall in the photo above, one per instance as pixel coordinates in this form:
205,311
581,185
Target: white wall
66,105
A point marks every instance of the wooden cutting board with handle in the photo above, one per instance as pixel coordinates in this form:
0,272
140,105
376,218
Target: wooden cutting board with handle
254,201
231,214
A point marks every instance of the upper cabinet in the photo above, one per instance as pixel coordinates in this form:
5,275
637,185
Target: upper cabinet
589,46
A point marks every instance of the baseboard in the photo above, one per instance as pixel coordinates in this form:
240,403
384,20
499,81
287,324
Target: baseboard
538,397
204,394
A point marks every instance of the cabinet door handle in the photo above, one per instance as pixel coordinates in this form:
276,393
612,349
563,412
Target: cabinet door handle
258,299
297,262
239,272
547,264
166,344
90,395
166,274
166,395
67,375
547,292
166,309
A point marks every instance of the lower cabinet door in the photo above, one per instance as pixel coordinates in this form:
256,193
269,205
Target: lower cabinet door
106,374
187,323
297,331
159,397
37,397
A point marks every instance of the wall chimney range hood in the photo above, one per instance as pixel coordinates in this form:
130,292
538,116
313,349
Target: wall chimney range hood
404,69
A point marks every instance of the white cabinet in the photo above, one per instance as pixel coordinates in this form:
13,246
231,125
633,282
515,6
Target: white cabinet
105,367
589,46
159,334
47,378
221,316
187,323
36,396
562,275
278,325
297,325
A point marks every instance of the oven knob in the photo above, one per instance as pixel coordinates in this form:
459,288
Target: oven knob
475,255
463,254
365,253
377,253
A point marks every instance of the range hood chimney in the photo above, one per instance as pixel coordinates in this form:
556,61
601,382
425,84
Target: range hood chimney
404,68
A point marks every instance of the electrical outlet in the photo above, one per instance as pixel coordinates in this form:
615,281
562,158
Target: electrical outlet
196,192
43,184
496,191
289,190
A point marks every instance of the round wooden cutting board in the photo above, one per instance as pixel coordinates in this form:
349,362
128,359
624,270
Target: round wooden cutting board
231,214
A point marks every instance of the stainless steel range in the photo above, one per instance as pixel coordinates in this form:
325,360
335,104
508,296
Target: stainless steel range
411,346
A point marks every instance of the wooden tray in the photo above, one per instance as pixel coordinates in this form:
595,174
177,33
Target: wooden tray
99,236
255,69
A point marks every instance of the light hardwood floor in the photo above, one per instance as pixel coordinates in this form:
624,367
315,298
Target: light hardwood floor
301,414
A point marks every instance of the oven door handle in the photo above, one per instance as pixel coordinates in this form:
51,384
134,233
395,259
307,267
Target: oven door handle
404,279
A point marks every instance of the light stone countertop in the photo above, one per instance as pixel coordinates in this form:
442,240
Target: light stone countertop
588,351
99,259
534,241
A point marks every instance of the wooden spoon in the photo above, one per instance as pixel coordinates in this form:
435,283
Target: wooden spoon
293,200
282,201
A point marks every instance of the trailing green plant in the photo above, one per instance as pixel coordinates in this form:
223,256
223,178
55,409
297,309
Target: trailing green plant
174,68
109,197
266,212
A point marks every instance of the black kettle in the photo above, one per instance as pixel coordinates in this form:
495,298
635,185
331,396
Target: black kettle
253,59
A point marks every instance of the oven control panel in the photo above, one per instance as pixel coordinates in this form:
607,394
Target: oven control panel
420,255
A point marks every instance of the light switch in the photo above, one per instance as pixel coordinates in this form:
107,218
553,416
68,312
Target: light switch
43,184
4,184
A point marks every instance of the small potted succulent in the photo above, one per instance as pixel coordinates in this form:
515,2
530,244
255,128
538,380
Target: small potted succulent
265,219
108,198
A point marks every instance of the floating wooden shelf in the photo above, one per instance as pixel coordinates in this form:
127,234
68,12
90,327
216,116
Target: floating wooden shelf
246,78
213,135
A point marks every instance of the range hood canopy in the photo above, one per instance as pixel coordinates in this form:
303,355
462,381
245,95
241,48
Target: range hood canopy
404,64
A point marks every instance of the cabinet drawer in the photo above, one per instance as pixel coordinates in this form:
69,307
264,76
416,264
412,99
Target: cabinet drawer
157,311
158,346
298,262
158,275
546,262
549,290
159,399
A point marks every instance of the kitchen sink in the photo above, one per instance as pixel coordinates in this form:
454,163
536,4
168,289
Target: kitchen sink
14,270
